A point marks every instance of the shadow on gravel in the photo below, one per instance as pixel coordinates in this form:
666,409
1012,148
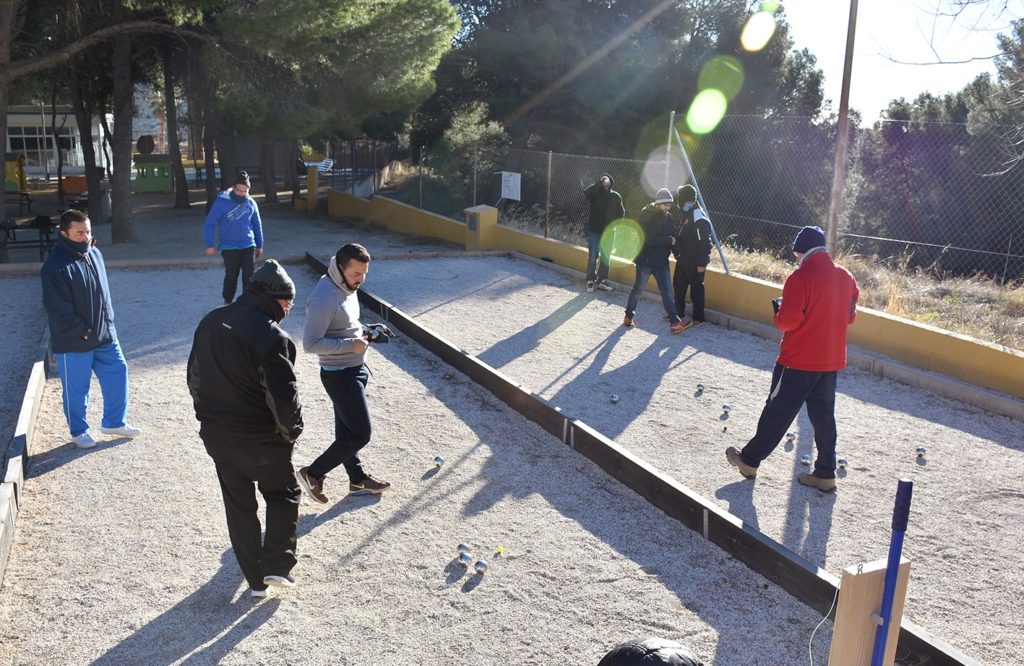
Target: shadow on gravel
47,461
527,339
184,632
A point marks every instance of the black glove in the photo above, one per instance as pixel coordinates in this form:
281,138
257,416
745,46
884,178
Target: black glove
776,304
378,333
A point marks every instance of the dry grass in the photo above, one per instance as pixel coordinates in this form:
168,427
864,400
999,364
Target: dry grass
977,306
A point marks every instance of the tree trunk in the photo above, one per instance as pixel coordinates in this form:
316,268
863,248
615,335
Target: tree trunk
267,171
122,230
173,147
8,28
226,156
55,137
84,120
209,124
289,162
297,184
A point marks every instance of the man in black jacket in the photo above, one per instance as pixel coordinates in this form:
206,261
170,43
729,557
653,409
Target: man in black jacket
655,222
605,206
693,253
241,374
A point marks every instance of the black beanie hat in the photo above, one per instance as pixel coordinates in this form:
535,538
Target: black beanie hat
651,651
686,193
272,279
809,237
242,179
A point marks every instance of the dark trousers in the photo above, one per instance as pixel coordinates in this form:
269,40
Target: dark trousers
235,261
688,277
347,390
244,459
791,390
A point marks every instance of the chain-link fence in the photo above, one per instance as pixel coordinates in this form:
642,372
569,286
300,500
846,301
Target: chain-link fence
932,196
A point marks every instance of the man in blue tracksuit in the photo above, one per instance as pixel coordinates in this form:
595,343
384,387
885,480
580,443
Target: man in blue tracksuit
236,217
81,317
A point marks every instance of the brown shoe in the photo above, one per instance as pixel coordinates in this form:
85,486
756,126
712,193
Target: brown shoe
679,326
732,454
312,486
627,321
368,486
824,485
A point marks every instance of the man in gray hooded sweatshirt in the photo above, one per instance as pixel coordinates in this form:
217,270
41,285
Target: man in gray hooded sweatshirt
333,332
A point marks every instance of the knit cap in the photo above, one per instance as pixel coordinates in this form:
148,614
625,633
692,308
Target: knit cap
273,280
242,179
686,193
808,238
663,196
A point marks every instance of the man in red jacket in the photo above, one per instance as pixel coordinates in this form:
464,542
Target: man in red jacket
819,302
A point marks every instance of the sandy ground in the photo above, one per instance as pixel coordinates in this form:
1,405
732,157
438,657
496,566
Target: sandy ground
121,552
586,562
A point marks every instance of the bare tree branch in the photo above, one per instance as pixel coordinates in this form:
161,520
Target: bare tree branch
19,68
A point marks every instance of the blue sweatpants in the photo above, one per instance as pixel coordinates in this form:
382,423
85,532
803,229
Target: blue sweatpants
75,370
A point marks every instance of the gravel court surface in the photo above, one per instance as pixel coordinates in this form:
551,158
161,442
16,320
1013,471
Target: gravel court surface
22,321
537,325
121,553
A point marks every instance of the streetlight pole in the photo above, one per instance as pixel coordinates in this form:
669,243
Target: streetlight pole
842,138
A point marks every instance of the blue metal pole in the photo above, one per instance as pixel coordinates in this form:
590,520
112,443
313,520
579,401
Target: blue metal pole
900,515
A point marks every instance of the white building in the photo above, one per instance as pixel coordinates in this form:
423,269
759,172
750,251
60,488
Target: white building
29,132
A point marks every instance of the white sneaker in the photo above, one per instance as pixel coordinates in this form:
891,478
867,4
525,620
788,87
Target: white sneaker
605,285
279,581
259,594
590,287
122,431
84,441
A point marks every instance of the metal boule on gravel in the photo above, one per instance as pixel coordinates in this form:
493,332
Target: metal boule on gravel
805,459
465,559
480,566
700,388
921,451
438,461
841,463
465,548
615,398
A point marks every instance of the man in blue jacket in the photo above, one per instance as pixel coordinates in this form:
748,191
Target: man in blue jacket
236,217
81,317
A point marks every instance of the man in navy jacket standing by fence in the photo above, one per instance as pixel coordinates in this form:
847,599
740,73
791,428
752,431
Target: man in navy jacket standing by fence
82,334
819,302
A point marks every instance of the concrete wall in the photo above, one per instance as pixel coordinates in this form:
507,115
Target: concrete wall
925,347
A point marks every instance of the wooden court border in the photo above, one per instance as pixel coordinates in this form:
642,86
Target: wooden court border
796,575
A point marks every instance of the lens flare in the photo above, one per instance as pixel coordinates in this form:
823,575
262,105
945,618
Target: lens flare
623,238
661,169
758,30
706,111
770,6
723,73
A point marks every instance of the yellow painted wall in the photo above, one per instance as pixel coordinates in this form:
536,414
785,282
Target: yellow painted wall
926,347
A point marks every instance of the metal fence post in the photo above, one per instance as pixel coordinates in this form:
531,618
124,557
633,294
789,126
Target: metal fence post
421,177
668,144
547,203
474,175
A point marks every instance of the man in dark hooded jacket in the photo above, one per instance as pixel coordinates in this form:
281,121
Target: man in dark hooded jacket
241,374
692,251
655,221
605,206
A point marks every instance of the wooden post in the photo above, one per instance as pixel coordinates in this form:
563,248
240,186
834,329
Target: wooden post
860,598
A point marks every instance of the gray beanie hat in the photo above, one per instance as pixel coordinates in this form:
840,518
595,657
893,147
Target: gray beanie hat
664,195
809,237
272,279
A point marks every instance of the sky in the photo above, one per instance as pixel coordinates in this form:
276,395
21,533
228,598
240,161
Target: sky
901,30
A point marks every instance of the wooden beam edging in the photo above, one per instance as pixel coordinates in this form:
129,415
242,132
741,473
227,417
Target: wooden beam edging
799,577
16,452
